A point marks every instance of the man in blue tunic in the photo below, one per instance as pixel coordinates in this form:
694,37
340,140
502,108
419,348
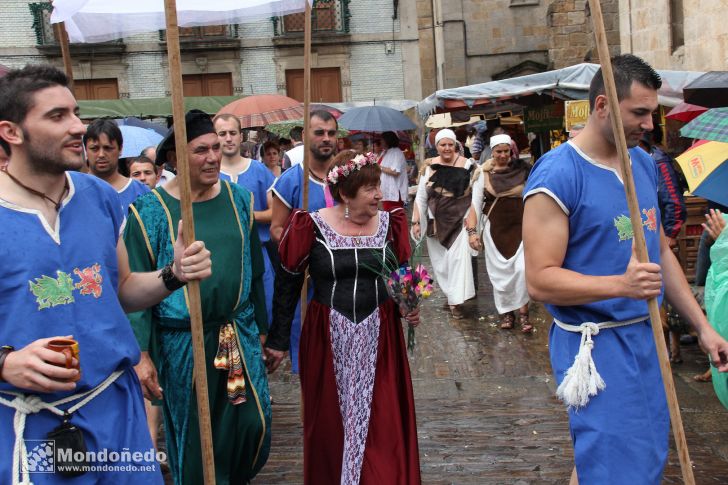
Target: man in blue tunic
288,194
255,177
65,273
103,142
579,260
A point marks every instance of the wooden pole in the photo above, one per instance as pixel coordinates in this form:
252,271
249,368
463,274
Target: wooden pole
62,37
193,287
306,129
306,145
639,238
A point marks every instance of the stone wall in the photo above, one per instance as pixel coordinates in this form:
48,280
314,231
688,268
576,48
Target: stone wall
571,36
426,47
487,38
646,31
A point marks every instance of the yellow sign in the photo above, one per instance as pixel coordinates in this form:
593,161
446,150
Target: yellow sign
576,113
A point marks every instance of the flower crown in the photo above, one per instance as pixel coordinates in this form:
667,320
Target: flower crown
356,163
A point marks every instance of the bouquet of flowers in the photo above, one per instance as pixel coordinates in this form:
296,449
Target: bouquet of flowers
407,287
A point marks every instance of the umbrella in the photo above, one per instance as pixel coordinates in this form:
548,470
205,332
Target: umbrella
283,128
706,170
264,109
447,120
132,121
137,139
685,112
711,125
375,118
710,90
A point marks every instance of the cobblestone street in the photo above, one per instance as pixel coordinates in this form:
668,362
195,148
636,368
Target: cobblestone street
486,410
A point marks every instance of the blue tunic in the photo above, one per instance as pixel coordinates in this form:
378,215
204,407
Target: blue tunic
258,179
63,281
288,188
130,192
628,446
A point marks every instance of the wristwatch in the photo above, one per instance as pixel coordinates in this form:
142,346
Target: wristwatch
171,282
4,351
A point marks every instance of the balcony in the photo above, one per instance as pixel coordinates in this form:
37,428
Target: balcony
206,38
328,18
47,43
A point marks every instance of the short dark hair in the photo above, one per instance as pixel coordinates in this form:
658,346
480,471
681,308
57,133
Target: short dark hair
390,139
323,115
627,69
367,175
296,133
141,159
18,86
271,144
5,146
103,126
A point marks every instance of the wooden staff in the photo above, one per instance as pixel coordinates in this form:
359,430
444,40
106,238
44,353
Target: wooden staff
193,287
62,37
306,128
639,238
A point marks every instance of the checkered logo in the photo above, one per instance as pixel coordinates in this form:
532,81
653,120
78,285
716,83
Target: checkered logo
41,456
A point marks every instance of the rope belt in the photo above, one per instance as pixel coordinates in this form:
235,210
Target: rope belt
25,404
582,379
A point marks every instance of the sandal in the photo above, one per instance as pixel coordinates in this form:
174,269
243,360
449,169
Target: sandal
526,326
507,320
705,377
457,312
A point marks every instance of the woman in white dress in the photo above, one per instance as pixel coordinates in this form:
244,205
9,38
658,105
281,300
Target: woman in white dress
442,203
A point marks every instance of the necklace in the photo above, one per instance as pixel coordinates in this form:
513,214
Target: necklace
38,193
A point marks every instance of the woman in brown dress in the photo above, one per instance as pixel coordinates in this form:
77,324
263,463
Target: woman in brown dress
497,194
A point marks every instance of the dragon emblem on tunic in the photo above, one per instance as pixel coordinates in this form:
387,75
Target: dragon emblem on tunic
624,227
50,292
90,283
624,224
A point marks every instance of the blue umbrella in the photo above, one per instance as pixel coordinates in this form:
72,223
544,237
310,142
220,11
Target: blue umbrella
137,139
132,121
375,118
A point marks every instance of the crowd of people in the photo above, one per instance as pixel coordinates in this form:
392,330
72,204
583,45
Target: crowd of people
100,258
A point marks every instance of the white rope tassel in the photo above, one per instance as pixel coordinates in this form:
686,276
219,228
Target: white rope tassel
25,405
582,379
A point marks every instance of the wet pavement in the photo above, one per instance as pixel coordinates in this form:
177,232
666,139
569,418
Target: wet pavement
486,410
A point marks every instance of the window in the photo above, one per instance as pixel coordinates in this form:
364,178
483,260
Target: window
326,16
677,25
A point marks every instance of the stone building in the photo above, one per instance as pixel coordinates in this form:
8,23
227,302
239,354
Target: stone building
687,35
362,50
473,41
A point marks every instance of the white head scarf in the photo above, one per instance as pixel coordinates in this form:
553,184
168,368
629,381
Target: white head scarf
446,133
500,140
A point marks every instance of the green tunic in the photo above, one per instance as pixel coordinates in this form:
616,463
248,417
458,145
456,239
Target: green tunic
233,294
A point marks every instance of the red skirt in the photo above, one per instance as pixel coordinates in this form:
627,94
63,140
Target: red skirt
391,455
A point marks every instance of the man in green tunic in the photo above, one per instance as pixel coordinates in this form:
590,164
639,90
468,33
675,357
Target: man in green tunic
233,310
